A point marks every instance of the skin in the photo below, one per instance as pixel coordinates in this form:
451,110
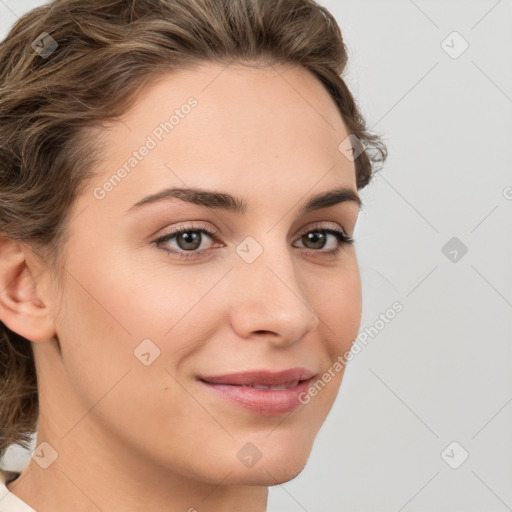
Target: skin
131,437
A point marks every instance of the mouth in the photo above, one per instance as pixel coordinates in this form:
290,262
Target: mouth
262,379
287,385
262,392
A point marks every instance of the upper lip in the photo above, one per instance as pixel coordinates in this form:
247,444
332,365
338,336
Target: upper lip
260,377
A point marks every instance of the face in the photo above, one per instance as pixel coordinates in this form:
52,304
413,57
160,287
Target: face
144,312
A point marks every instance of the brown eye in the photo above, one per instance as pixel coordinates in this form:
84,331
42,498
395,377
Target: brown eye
188,239
317,239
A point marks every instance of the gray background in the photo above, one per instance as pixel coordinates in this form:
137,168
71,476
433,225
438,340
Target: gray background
440,371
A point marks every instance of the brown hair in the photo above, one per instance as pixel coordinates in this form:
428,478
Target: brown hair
107,51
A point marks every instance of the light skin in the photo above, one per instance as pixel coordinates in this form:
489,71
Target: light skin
132,437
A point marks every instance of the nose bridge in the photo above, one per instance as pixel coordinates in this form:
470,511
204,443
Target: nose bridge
270,295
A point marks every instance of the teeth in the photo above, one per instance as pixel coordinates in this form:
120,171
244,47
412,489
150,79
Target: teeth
282,386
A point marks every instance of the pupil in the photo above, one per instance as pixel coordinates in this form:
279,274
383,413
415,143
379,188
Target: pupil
192,240
317,238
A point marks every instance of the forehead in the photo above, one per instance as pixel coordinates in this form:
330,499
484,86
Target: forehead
238,102
248,126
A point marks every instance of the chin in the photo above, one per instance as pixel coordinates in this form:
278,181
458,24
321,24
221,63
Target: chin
267,476
286,473
273,469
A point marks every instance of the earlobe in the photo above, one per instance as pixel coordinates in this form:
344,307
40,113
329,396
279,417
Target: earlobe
22,309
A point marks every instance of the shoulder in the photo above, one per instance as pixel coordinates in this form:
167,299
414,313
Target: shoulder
9,502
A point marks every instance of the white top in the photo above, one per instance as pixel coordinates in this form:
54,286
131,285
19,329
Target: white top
9,502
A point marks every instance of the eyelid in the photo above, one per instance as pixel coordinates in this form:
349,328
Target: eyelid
322,226
202,225
193,225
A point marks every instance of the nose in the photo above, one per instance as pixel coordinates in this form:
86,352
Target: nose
269,300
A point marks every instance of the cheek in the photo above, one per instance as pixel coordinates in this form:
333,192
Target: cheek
112,305
337,301
96,348
111,384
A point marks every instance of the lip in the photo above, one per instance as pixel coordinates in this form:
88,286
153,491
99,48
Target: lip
266,402
260,377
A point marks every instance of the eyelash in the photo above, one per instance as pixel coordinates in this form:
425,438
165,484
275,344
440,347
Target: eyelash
343,240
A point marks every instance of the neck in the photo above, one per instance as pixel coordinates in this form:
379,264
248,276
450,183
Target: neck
82,481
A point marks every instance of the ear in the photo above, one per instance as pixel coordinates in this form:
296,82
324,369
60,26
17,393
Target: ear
23,309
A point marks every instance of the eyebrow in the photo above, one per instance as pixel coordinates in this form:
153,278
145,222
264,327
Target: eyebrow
228,202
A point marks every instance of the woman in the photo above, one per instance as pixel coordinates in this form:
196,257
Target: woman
178,186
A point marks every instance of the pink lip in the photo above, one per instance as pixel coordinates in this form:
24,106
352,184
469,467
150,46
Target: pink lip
260,377
266,402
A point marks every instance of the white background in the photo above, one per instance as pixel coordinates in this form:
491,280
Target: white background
440,371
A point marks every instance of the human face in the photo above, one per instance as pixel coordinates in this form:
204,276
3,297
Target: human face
269,137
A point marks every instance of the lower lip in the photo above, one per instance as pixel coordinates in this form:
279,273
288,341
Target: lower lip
267,402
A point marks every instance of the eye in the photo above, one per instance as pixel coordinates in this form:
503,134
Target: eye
190,241
186,239
318,238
